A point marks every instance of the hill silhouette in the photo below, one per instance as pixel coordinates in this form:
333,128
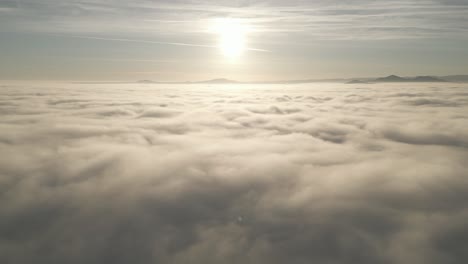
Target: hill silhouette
388,79
219,81
395,78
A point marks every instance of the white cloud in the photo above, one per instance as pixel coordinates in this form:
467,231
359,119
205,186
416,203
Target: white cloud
324,173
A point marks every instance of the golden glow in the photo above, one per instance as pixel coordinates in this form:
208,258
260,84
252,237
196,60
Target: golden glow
232,36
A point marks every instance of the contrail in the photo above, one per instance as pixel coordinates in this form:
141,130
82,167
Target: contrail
153,42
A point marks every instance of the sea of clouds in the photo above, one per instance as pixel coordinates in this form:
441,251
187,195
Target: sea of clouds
311,173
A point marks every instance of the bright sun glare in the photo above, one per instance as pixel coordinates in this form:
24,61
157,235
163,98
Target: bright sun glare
232,36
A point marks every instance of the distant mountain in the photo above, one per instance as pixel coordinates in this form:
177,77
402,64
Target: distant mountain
146,81
219,81
360,80
456,78
391,78
213,81
426,79
356,82
394,78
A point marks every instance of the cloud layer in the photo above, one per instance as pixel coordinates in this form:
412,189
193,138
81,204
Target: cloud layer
318,20
322,173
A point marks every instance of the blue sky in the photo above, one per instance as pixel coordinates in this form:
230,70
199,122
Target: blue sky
172,40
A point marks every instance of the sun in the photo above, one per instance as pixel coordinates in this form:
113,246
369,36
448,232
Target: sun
232,35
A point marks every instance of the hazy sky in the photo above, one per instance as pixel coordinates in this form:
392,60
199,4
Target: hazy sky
175,40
